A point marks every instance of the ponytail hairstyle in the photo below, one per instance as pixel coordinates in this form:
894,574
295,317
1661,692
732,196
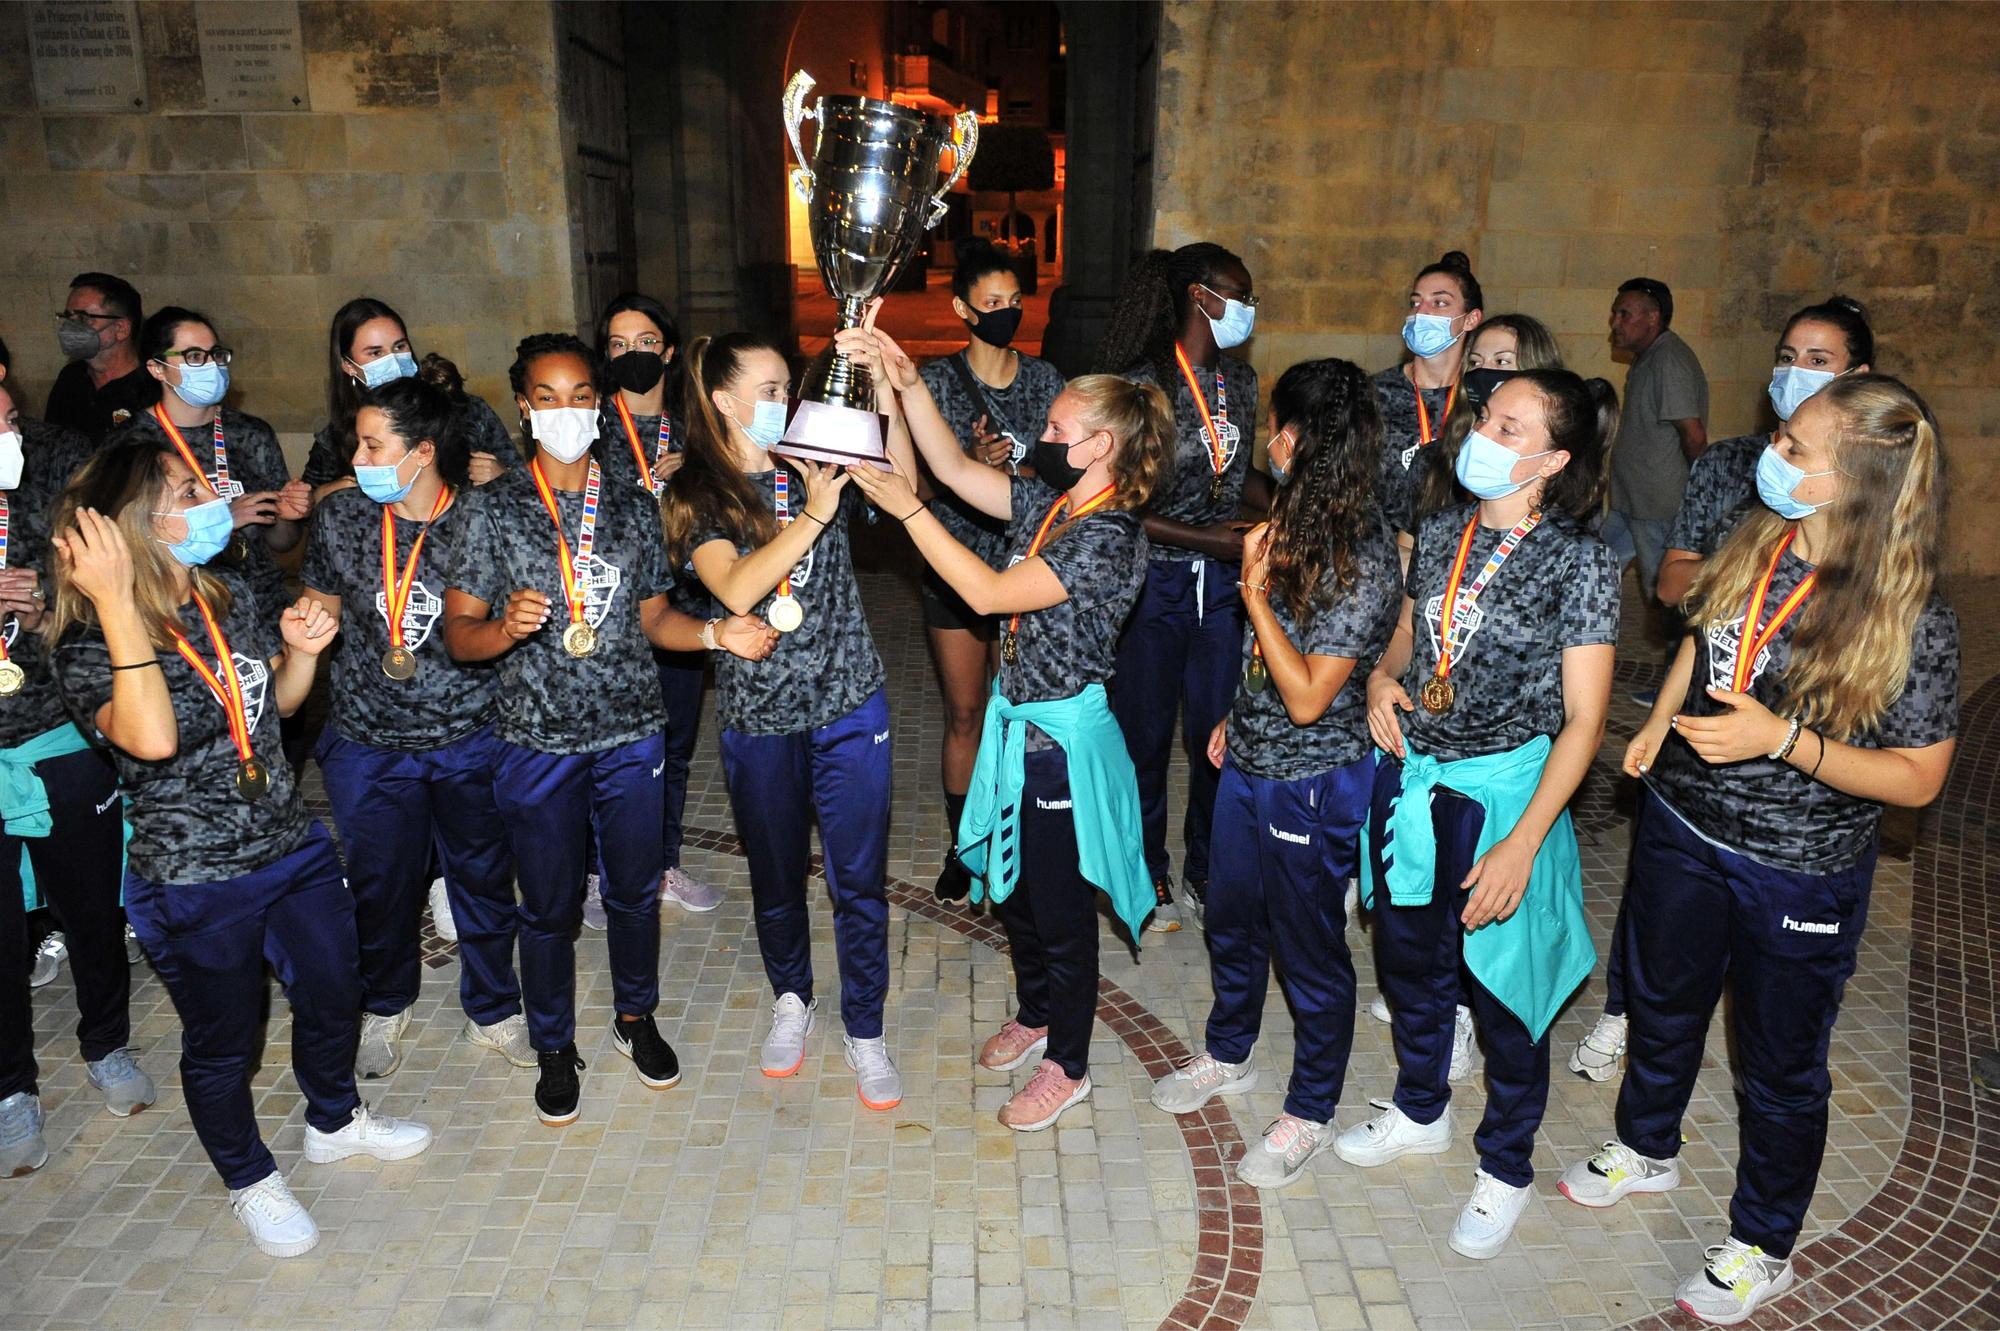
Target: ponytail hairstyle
430,406
637,302
710,492
125,482
343,395
531,349
1851,651
1581,416
1140,420
1153,308
1327,504
977,258
1849,316
1435,468
1454,264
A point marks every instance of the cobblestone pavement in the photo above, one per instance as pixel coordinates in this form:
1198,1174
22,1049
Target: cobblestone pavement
737,1201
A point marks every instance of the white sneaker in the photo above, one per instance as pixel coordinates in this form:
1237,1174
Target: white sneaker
1390,1134
1596,1055
1488,1219
1379,1008
1280,1159
1350,901
134,954
1616,1172
593,904
48,960
792,1020
367,1134
1199,1080
1737,1280
1463,1042
378,1054
442,919
278,1225
876,1080
507,1036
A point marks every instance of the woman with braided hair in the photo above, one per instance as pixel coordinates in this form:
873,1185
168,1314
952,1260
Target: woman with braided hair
1321,587
1179,312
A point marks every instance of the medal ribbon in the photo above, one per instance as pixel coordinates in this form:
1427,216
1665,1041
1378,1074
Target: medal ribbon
1089,506
6,521
781,498
572,588
187,454
397,591
1424,435
1447,639
1217,456
647,480
1754,639
227,688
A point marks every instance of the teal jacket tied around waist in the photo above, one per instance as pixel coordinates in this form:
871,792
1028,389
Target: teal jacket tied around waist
1104,800
1533,960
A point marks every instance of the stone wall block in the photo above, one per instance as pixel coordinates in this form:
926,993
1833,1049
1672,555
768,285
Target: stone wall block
396,141
1928,212
95,143
282,141
408,246
1973,160
196,143
460,194
1904,157
1525,258
23,149
1809,159
472,141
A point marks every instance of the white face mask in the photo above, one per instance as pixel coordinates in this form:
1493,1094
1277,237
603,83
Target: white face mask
564,433
10,459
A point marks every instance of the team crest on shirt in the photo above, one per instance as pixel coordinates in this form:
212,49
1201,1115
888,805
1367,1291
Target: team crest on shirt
1725,644
803,570
1410,455
418,616
1232,439
1465,621
599,582
255,677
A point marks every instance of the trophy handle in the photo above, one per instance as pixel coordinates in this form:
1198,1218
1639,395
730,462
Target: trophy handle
795,111
967,141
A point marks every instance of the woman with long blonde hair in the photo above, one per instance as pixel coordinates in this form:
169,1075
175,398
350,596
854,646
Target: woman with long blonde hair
1819,683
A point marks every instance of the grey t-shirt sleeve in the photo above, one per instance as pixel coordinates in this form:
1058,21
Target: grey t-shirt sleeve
1589,615
472,569
1682,387
1721,486
1927,711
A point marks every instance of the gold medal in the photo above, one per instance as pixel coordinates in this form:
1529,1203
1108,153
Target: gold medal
1215,488
1437,693
1010,649
786,614
399,663
579,639
12,677
1256,675
253,779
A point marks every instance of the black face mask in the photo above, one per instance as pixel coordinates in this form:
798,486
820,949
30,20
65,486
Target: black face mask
996,328
1482,383
638,371
1051,459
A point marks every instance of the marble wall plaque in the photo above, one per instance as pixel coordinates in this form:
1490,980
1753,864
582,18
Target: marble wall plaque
86,55
252,57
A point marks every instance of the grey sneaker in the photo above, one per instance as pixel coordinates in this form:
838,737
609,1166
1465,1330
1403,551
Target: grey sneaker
22,1150
876,1080
508,1037
1166,916
1463,1044
134,954
48,960
1287,1148
1736,1280
1616,1172
688,892
792,1020
127,1089
1597,1054
1199,1080
379,1054
593,905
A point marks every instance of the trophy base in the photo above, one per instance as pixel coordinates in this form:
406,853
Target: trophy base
841,435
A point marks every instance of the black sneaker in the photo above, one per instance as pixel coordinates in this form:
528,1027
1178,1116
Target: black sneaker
1196,892
1166,916
651,1056
557,1089
955,882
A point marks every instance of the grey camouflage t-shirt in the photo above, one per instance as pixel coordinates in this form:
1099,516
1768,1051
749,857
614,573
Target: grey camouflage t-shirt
621,467
1101,562
445,700
548,700
330,460
49,455
829,666
188,822
1402,439
1263,741
1559,589
1186,495
1770,810
1721,486
1020,409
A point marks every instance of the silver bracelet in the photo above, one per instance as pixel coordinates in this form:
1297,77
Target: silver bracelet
1784,751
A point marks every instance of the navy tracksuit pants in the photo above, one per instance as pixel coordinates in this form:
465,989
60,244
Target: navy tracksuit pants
840,772
1283,852
682,675
393,808
78,867
210,942
1178,653
552,804
1051,918
1787,942
1417,957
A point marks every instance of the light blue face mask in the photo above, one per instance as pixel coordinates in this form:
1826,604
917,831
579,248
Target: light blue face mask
1777,478
380,482
1428,334
203,385
208,529
1238,321
388,369
1278,474
767,421
1793,384
1486,467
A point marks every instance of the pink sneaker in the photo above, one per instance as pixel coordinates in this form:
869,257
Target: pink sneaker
1013,1045
1042,1101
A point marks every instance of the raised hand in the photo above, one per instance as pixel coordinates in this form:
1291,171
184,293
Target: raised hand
527,611
307,627
96,559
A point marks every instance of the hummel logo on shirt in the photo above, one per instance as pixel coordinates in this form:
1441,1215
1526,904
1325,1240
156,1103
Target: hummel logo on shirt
1811,926
1296,838
1041,803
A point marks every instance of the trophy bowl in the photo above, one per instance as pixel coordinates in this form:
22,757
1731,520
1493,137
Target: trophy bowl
873,185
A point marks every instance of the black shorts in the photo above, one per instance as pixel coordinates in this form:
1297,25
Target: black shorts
946,609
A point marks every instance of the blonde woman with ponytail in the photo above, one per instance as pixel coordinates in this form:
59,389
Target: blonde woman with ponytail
1052,811
1819,684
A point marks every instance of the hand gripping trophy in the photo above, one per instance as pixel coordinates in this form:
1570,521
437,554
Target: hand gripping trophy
874,185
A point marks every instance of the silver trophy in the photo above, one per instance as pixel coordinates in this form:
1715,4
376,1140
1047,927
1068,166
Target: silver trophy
873,185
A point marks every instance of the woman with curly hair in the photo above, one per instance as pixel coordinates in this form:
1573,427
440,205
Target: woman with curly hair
1321,586
1819,683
